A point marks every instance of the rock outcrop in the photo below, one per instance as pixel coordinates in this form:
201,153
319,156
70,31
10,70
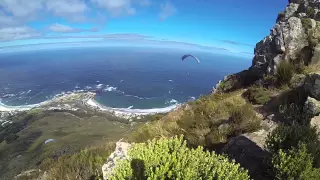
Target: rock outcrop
120,153
294,38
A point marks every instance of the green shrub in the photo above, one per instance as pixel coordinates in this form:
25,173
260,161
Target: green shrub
295,164
171,159
257,95
225,85
243,119
85,164
292,113
206,122
284,72
285,137
156,129
281,16
306,23
310,12
311,39
269,80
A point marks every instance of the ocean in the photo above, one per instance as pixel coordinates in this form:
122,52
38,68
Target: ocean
122,77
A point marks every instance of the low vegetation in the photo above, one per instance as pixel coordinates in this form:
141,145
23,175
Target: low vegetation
310,12
257,95
294,147
285,71
19,122
172,159
306,23
85,164
208,121
296,163
281,16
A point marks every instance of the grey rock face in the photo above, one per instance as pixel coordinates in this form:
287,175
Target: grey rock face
278,38
285,42
295,38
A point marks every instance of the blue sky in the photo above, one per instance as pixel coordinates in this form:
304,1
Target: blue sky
231,25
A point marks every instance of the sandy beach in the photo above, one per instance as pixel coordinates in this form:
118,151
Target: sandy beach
87,99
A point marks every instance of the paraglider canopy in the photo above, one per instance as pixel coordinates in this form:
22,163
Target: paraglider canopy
189,55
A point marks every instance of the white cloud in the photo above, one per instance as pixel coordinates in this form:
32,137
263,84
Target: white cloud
14,33
70,9
16,14
116,7
167,9
61,28
21,8
6,21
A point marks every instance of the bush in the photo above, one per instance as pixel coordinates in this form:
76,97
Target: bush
281,16
257,95
306,23
203,122
243,119
206,122
286,137
156,129
171,159
85,164
295,164
310,12
311,39
269,80
293,114
284,72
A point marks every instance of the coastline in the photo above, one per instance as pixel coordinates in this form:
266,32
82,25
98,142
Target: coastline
71,101
129,113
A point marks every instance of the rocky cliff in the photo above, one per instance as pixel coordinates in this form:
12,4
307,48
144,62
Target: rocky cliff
294,38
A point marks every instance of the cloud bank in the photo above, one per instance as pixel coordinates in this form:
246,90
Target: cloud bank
16,15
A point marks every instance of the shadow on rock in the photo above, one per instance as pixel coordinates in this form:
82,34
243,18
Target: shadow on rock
249,155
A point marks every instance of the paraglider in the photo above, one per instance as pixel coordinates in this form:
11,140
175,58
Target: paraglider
189,55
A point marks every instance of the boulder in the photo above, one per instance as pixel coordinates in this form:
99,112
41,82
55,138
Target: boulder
247,149
297,81
312,85
315,122
120,153
312,107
